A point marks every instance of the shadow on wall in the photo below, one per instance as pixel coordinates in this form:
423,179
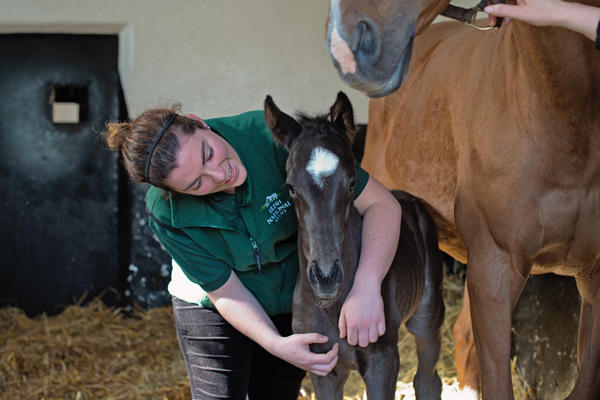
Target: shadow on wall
68,221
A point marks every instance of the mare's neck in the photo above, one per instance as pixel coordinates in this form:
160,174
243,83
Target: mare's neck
562,65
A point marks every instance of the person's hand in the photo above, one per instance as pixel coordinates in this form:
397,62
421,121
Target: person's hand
535,12
295,350
574,16
362,318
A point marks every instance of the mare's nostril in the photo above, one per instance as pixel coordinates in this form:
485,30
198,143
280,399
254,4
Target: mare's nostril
366,38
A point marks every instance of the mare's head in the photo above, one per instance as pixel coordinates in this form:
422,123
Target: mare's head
321,178
371,42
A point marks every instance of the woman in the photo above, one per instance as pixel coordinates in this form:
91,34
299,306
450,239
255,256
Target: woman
219,205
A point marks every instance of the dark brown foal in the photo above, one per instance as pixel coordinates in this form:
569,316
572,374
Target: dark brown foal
329,233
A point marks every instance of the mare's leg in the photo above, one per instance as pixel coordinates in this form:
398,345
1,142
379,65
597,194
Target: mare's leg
330,387
587,384
426,327
380,371
467,364
495,285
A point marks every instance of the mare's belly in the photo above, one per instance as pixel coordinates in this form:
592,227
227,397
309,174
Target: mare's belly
565,235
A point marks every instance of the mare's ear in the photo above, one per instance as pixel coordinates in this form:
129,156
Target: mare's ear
284,128
342,115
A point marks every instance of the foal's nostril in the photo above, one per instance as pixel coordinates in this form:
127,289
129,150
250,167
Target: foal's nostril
338,272
314,273
316,276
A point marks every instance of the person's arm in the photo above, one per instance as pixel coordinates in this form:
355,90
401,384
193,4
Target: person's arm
241,309
362,318
574,16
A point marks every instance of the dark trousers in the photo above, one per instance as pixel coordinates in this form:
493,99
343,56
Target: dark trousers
222,363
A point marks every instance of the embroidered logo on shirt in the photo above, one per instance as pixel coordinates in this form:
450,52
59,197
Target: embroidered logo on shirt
276,207
269,200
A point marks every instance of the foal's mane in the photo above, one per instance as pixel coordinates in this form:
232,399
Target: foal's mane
320,124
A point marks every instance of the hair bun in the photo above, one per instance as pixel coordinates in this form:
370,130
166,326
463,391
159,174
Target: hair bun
117,135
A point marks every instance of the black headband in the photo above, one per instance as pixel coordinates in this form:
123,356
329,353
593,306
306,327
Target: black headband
598,36
160,135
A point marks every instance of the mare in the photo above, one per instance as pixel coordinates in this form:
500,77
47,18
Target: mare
329,240
498,132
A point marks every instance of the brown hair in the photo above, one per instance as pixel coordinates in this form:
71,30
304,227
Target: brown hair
135,139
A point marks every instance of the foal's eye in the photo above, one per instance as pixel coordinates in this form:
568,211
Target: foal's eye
291,188
352,186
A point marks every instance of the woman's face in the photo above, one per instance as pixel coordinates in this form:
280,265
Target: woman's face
206,164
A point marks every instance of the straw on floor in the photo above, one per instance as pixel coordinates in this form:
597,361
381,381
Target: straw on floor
97,352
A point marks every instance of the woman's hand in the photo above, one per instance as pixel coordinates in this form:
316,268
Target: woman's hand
241,309
295,350
362,318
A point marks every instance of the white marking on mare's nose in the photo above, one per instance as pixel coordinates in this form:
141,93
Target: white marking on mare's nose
339,49
341,52
322,164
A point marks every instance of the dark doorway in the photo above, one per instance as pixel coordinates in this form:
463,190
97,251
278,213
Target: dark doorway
60,235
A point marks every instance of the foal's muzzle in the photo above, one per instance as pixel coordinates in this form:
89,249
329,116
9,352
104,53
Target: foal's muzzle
325,281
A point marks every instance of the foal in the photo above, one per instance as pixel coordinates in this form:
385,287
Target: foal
329,241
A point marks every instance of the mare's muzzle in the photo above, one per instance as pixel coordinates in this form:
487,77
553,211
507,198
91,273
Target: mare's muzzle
325,281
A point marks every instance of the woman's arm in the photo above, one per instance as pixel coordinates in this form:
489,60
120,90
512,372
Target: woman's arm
577,17
362,318
241,309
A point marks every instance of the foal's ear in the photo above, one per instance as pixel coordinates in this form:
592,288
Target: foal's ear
283,127
342,115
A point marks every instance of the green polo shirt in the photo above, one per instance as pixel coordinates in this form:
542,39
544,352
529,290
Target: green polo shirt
216,233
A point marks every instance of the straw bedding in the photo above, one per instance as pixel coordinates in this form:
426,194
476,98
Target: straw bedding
96,352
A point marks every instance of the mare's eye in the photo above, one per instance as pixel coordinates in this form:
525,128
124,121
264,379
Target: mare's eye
352,186
291,188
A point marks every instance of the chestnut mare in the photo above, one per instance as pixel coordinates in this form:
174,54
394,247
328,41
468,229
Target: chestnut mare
499,134
329,241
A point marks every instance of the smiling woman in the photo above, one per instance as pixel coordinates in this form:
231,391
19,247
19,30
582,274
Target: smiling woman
201,211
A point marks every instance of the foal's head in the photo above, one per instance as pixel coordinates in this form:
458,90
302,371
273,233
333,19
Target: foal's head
321,178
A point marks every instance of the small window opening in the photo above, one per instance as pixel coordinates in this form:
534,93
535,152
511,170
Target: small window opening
70,104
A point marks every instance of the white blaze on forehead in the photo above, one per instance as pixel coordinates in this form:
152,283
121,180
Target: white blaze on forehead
322,164
338,47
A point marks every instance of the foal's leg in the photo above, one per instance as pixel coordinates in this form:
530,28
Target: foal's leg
587,384
380,371
495,285
426,327
330,387
465,353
